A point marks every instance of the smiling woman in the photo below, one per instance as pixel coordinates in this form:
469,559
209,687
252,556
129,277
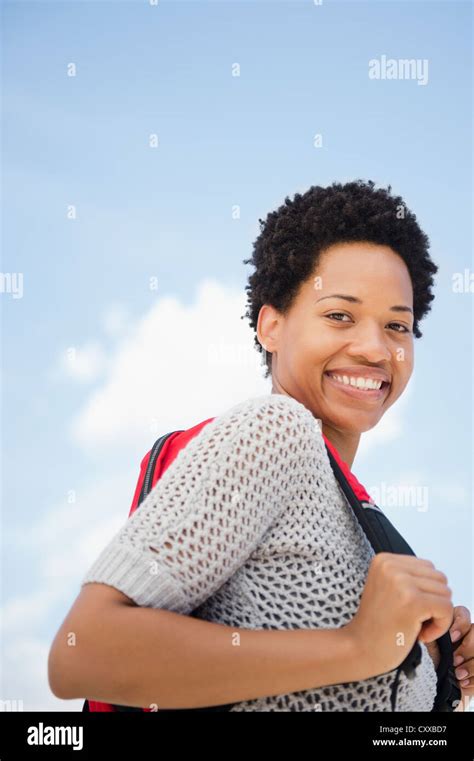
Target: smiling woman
342,279
245,579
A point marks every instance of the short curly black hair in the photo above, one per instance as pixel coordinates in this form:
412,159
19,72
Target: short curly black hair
292,238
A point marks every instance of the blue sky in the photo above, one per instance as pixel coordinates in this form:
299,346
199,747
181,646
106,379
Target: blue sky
96,363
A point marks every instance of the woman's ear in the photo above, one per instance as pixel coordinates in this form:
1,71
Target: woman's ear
267,327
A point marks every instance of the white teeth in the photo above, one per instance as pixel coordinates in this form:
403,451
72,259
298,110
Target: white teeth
361,383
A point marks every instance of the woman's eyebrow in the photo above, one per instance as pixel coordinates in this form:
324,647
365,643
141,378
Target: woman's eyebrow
355,300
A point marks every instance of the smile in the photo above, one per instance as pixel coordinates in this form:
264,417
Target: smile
359,387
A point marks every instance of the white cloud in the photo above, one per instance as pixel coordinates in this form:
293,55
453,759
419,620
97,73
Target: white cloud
178,365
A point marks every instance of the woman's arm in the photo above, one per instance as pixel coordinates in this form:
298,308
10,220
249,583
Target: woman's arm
144,657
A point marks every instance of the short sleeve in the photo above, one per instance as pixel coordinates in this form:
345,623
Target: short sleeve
211,507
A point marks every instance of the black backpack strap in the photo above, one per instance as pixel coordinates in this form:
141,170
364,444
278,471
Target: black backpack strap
448,693
384,537
150,469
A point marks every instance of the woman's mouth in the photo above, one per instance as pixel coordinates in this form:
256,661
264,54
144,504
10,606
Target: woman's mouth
359,387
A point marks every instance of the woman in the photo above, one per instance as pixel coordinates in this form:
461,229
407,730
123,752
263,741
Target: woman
248,530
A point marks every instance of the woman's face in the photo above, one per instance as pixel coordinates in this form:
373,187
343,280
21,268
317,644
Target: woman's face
367,335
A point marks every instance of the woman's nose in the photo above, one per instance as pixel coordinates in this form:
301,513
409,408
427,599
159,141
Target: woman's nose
371,342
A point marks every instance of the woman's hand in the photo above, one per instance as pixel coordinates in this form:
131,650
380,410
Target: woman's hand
404,598
462,630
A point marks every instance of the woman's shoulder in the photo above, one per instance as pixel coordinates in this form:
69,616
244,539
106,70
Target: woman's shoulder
270,414
279,404
265,418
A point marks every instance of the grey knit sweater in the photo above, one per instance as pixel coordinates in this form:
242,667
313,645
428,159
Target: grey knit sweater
248,527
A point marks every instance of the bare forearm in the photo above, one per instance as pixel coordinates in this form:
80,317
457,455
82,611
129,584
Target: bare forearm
145,657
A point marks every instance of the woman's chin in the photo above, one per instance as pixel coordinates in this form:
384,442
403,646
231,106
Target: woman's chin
355,422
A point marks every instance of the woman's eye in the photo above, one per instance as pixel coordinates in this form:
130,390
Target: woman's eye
337,317
405,329
339,314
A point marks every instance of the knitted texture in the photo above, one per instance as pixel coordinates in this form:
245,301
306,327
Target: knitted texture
248,527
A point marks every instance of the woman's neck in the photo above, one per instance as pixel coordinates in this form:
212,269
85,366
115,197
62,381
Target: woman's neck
345,443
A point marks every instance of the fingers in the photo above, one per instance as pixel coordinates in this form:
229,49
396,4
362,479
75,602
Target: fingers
423,586
461,624
464,662
465,674
432,629
431,586
462,632
466,648
437,615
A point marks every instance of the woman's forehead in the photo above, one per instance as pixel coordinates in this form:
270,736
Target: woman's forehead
360,268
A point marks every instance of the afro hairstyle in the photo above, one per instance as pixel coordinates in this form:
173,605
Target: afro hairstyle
293,237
